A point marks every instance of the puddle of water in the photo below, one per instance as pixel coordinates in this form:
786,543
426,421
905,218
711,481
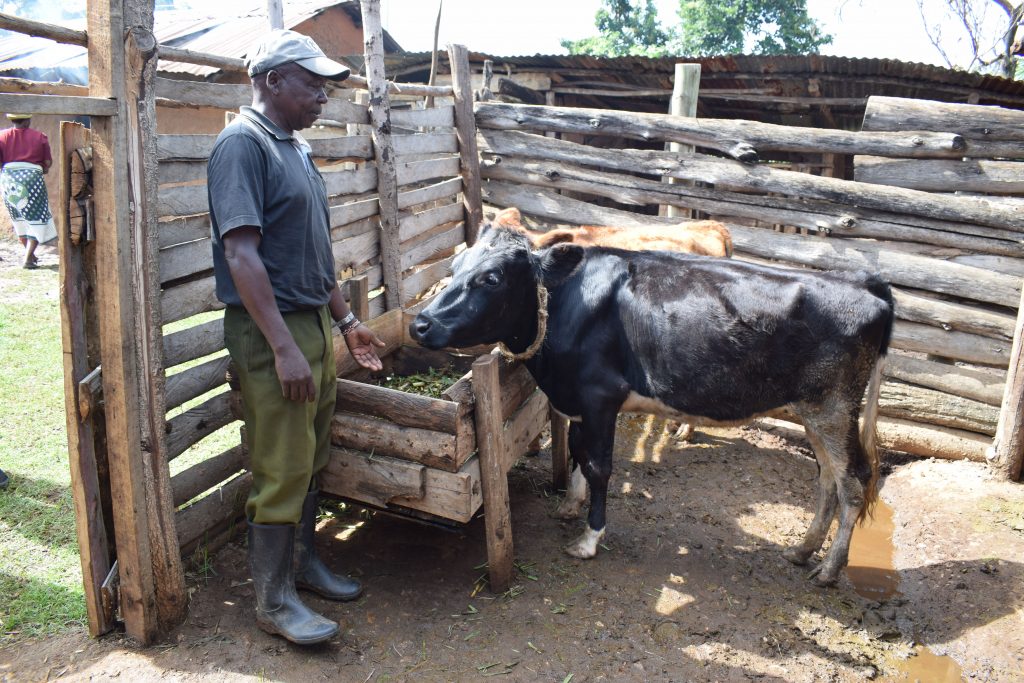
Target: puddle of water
873,576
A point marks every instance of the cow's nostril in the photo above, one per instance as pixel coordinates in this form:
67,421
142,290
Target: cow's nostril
418,328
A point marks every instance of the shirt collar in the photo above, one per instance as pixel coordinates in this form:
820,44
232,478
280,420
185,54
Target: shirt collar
265,123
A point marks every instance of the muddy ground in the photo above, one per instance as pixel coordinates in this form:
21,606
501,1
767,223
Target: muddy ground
689,586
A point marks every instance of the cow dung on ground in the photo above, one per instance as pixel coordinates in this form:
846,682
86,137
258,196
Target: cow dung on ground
691,585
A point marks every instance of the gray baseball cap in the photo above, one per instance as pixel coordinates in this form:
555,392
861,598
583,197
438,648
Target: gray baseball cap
284,47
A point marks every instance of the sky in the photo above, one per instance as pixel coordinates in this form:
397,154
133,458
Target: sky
861,28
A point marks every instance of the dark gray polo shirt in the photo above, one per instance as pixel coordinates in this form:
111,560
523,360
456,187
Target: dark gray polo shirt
259,175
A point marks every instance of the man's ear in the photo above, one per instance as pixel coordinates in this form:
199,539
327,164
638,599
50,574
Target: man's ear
559,262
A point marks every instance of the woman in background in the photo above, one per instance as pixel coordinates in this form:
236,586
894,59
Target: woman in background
25,157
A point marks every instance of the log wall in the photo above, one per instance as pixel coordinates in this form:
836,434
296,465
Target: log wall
929,209
210,487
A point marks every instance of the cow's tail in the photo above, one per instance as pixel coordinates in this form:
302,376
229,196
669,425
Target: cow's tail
869,427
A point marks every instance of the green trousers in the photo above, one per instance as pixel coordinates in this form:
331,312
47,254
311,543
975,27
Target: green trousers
289,442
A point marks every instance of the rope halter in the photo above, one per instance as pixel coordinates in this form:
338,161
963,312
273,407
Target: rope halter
542,330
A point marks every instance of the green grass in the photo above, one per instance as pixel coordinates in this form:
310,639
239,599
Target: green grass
40,573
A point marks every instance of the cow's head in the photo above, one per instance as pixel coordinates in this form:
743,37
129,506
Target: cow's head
492,296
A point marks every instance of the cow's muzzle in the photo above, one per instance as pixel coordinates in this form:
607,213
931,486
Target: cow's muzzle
424,331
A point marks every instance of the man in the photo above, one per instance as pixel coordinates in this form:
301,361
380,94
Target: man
275,272
25,158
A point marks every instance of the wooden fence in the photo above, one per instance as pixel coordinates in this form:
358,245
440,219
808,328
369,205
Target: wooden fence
954,258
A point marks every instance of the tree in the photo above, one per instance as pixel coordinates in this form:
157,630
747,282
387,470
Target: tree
990,41
625,29
767,27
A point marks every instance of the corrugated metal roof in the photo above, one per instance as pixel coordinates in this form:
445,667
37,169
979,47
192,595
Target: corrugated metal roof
190,29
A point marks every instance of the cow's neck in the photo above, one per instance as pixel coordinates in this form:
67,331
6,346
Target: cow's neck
527,347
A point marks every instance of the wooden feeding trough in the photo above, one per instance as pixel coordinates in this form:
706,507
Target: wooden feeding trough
438,458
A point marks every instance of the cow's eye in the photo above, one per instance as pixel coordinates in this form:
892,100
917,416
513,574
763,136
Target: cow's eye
491,278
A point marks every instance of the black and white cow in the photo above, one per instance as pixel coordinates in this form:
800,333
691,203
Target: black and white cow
709,341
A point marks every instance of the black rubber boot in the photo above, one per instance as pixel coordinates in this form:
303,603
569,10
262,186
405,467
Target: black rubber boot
278,608
310,571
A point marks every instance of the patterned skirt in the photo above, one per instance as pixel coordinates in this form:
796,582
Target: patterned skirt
25,196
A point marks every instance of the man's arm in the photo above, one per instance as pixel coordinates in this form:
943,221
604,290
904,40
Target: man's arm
253,285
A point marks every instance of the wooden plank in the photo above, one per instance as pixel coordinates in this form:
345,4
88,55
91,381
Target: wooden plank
381,437
942,175
183,229
911,402
984,387
384,153
762,178
401,408
1007,454
493,474
408,89
342,181
57,104
414,224
178,172
425,143
517,385
121,377
191,298
353,211
193,342
373,479
352,251
436,245
87,492
224,503
357,290
415,284
972,121
185,430
344,111
440,190
204,475
469,164
953,316
60,34
21,85
171,92
186,259
685,88
342,147
465,127
931,441
524,426
559,449
740,140
950,344
184,147
195,381
434,117
410,172
182,200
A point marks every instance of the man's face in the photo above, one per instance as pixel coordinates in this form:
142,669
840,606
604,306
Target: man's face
300,95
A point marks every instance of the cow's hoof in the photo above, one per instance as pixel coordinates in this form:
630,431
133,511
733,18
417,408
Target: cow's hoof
584,546
683,432
569,509
797,555
824,576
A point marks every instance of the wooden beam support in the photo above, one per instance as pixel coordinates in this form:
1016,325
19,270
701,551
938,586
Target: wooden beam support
1007,453
60,34
57,104
683,103
465,128
387,174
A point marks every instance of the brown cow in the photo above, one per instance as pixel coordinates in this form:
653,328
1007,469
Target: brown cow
704,238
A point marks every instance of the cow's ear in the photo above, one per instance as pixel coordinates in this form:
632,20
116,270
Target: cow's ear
559,262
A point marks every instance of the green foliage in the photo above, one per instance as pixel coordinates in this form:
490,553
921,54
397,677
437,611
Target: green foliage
766,27
626,28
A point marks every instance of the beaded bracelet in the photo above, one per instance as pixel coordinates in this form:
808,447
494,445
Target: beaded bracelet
348,323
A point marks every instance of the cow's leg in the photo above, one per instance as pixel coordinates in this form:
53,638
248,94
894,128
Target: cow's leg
841,440
598,437
825,511
576,493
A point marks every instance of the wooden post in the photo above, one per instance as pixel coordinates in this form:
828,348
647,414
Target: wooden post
124,252
465,130
683,103
275,14
493,476
1007,451
384,153
86,490
559,450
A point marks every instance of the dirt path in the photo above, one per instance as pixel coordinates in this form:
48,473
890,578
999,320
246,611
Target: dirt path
691,586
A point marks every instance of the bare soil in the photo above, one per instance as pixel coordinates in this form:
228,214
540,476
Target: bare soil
690,585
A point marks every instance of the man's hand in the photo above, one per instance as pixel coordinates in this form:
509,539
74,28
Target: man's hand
294,374
361,342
